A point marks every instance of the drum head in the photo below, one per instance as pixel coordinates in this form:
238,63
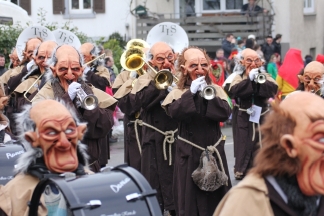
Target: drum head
9,154
116,192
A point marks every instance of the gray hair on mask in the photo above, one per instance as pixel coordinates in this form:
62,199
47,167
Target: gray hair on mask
53,60
95,50
37,48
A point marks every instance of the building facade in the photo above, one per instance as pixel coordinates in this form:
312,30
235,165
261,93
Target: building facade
205,21
299,21
96,18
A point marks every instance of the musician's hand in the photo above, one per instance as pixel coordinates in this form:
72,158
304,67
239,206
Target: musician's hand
133,74
170,88
73,89
30,65
86,70
253,73
195,85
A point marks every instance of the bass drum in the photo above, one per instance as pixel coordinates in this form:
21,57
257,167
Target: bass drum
117,192
9,154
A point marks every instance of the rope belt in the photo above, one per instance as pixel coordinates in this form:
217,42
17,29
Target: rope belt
253,125
168,138
211,148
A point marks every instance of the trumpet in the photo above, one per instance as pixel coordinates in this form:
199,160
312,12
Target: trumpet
260,78
208,92
101,57
133,59
88,102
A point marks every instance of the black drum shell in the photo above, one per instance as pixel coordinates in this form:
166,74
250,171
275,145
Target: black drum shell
111,188
9,154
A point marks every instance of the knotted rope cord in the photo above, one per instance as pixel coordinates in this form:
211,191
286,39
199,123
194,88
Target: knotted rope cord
136,134
211,148
253,126
168,138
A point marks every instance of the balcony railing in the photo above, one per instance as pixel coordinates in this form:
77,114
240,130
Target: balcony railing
208,30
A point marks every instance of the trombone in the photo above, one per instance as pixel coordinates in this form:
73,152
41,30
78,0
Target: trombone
32,85
133,59
101,57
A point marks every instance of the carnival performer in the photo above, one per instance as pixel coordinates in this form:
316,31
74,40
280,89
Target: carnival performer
287,74
288,175
199,132
237,68
311,79
132,130
218,71
65,83
252,92
39,125
27,62
13,66
41,56
96,73
5,131
27,89
158,128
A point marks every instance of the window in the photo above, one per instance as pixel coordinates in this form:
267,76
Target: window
73,9
221,5
312,52
309,6
80,6
25,4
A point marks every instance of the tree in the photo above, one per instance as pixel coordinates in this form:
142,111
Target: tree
8,37
117,50
119,38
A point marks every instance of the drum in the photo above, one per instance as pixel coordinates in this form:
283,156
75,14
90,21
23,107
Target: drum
9,154
120,191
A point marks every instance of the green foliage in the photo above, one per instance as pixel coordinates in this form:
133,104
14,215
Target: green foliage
117,50
119,38
8,37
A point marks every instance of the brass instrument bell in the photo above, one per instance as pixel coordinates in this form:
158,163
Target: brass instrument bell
133,59
86,101
260,78
208,92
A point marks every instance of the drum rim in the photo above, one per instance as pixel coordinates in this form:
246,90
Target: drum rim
132,173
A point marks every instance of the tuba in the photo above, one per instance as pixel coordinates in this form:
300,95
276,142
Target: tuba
133,59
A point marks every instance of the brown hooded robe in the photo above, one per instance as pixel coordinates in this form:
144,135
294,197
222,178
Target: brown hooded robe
199,123
243,89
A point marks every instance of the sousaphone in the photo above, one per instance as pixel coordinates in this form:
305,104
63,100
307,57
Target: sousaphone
66,37
32,32
171,33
